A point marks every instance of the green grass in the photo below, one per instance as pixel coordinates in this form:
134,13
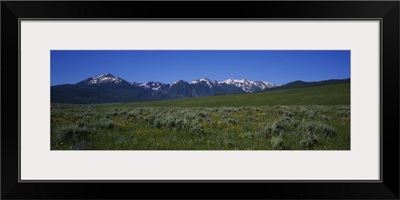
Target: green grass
321,95
315,118
201,128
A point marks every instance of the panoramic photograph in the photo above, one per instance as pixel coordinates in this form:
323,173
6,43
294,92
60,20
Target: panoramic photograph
200,99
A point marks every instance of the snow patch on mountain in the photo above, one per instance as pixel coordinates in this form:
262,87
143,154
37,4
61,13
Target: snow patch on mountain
177,81
249,86
105,78
153,86
210,83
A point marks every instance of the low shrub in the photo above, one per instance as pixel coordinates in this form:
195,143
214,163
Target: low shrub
203,115
197,129
317,128
309,140
229,143
277,142
324,118
312,114
252,135
343,113
286,113
105,123
230,120
272,129
70,133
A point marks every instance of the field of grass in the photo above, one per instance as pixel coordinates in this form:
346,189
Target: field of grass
315,118
321,95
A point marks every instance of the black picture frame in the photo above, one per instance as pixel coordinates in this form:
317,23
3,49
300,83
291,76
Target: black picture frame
386,11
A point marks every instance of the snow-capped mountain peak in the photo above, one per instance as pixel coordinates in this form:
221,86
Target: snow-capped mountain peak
178,81
105,78
153,85
227,81
207,81
202,86
248,85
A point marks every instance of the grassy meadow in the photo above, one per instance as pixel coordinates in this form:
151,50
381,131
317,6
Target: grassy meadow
314,118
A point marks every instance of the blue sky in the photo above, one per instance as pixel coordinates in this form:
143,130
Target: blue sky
167,66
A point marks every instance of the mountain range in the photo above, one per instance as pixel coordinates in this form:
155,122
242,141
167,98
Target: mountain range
108,88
